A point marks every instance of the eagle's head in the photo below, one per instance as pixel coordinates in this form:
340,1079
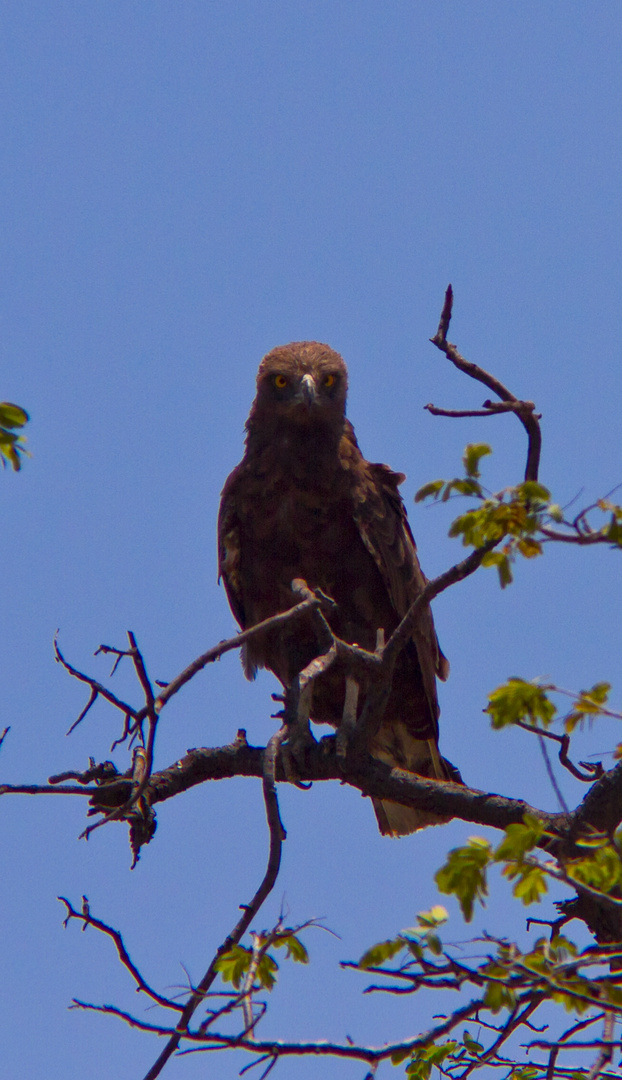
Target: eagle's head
303,383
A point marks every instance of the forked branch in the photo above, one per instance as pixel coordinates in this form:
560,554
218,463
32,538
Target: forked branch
524,410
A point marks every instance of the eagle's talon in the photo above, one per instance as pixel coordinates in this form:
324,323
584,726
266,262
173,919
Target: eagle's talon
294,753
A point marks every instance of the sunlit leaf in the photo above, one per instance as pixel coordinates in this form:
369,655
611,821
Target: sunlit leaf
295,948
431,490
520,838
234,964
472,456
12,416
519,700
464,874
384,950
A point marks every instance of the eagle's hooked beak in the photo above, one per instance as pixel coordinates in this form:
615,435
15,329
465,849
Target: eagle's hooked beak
308,392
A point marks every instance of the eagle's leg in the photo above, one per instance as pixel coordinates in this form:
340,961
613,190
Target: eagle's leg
299,737
348,719
439,771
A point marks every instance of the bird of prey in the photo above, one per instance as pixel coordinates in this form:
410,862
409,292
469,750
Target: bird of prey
304,503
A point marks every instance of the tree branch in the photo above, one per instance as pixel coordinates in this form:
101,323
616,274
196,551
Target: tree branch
277,835
524,410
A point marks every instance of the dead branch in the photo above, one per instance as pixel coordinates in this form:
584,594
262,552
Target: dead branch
524,410
277,835
87,919
143,764
97,689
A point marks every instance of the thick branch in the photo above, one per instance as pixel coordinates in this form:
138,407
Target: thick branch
371,778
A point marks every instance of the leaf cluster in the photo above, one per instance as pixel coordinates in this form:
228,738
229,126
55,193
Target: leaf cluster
510,980
415,940
464,875
235,964
520,518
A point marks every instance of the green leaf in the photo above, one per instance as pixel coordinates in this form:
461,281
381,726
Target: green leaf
266,969
436,916
426,1057
614,531
463,487
529,547
519,838
601,870
434,944
498,996
502,562
533,492
472,456
12,446
472,1046
398,1056
431,490
531,885
384,950
519,700
234,964
295,948
12,416
588,703
464,874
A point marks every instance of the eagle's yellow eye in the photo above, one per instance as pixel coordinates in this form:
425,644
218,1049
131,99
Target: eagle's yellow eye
280,381
329,380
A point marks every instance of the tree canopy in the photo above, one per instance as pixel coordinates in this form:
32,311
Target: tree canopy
533,1007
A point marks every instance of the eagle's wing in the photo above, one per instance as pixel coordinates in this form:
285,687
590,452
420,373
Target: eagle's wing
229,548
380,515
381,518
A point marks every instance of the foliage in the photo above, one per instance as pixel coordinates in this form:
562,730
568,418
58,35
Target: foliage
12,445
523,516
237,962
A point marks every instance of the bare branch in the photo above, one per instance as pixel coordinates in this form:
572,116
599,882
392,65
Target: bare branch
525,410
143,762
277,835
47,789
593,771
92,699
232,643
371,777
94,684
85,917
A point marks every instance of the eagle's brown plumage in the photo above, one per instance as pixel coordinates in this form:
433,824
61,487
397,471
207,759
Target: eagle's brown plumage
304,503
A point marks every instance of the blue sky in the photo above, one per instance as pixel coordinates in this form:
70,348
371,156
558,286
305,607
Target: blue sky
182,188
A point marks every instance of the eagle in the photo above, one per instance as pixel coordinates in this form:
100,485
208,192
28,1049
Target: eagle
304,503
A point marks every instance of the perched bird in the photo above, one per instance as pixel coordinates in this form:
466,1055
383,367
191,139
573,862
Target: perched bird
304,503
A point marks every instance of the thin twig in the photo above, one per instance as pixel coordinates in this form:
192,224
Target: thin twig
89,920
593,770
94,684
563,805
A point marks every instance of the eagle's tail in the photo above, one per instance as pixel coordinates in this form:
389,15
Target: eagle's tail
401,750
